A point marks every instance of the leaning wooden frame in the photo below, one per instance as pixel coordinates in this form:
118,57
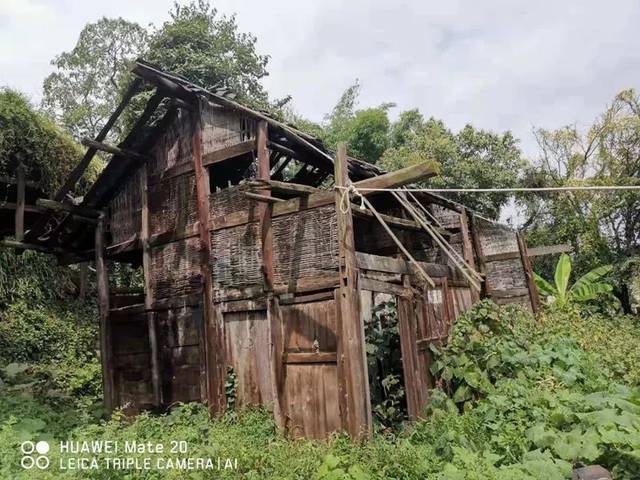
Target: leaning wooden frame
258,262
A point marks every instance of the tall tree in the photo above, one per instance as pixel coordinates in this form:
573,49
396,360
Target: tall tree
366,132
84,88
208,49
603,227
470,158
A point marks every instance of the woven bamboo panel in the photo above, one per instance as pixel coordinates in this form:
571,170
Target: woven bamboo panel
173,147
172,204
305,244
175,268
223,128
124,210
236,256
229,200
506,274
247,336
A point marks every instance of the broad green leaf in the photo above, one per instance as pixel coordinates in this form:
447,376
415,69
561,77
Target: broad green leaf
544,287
561,277
462,393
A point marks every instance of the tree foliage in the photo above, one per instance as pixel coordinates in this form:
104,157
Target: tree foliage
85,87
471,158
27,136
208,49
588,287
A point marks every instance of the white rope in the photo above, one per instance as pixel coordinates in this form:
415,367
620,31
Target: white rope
514,189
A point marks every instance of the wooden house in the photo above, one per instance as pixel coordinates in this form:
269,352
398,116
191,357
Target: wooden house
261,253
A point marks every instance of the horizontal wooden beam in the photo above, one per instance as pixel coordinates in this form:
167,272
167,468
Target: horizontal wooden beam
53,250
383,287
228,152
550,250
66,207
292,188
378,263
390,220
497,257
263,198
399,178
309,357
112,149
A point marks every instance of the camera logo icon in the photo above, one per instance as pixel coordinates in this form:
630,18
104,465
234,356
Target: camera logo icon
35,455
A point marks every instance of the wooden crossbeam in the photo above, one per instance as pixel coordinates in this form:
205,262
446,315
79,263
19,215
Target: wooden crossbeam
550,250
112,149
399,178
76,210
263,198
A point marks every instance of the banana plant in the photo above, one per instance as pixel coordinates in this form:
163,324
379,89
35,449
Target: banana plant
587,287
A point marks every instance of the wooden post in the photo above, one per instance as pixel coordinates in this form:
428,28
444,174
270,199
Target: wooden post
20,202
528,271
273,307
82,287
156,378
467,250
482,263
102,280
214,327
351,333
409,350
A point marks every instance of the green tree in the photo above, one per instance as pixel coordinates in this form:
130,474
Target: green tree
471,158
602,227
366,132
85,87
208,49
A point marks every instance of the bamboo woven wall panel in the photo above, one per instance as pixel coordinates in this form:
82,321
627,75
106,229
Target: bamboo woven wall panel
172,204
173,147
223,128
229,200
236,256
175,268
247,337
124,211
305,244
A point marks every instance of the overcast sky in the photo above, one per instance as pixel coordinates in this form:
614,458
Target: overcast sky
500,65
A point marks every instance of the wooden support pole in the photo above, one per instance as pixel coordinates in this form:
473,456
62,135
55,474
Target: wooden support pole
467,249
265,211
214,326
82,287
352,355
20,202
485,290
156,378
528,271
102,280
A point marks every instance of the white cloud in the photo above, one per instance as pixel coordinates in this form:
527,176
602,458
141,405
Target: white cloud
497,64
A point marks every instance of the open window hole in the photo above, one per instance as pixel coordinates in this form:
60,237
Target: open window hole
231,171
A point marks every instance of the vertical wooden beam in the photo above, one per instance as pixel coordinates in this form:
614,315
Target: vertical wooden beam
467,250
214,327
83,274
351,333
148,291
448,310
20,202
409,349
482,263
528,271
273,308
102,280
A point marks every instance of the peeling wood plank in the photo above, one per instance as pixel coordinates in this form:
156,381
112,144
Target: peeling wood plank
111,149
383,287
528,271
498,257
389,219
262,198
398,178
549,250
75,210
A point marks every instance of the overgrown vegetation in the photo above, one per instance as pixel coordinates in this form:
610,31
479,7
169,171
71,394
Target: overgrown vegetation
518,398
